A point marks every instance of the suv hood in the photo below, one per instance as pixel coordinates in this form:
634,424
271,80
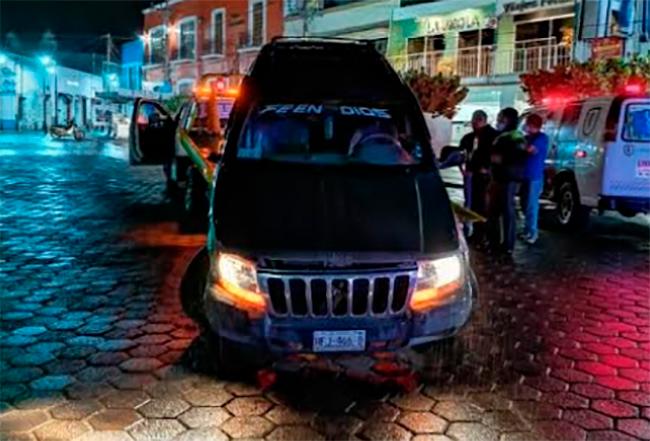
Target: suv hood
270,208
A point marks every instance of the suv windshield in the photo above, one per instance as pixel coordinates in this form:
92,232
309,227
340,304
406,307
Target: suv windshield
325,133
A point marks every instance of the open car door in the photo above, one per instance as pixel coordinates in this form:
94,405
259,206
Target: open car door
151,135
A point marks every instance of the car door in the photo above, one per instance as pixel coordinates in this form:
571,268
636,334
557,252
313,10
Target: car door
151,135
588,153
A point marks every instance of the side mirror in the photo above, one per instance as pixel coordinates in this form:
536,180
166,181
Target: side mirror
451,156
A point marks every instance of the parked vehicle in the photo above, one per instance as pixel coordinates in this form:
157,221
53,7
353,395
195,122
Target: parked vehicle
186,144
599,156
71,130
330,230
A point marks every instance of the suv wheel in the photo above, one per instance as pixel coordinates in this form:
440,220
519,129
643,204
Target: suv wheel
569,213
194,205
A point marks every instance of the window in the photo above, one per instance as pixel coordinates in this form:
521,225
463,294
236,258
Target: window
329,133
415,45
157,45
591,121
257,24
636,127
218,31
187,39
436,43
569,123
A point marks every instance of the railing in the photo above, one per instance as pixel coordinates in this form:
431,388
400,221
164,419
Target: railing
484,61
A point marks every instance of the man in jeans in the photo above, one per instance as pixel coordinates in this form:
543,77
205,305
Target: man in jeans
508,157
533,182
477,146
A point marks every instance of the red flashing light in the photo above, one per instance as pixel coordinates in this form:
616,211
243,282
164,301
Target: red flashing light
581,154
633,89
220,85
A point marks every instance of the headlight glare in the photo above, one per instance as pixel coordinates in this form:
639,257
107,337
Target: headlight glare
236,283
438,281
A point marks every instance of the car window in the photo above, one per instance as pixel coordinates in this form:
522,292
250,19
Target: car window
569,123
150,113
636,126
590,123
325,133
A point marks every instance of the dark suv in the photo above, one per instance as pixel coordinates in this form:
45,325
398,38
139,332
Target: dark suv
330,229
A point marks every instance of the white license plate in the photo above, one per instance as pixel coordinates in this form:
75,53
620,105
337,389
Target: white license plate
339,341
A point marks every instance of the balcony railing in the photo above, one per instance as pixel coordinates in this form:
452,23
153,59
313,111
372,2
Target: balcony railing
485,61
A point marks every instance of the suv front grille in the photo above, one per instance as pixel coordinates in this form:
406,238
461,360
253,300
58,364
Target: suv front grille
337,296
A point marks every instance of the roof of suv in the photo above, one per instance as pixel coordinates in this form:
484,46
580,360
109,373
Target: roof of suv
323,68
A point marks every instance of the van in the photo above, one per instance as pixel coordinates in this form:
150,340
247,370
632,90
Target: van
598,157
329,228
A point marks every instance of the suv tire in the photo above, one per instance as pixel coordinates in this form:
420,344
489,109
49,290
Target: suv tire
194,205
570,214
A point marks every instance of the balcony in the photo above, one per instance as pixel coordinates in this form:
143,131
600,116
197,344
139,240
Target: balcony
486,60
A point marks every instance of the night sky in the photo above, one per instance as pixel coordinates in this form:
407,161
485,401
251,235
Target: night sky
76,24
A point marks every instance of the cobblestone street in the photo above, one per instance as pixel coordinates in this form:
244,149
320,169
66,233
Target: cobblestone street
94,344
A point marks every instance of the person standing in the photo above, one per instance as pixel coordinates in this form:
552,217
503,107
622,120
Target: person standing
477,146
533,183
507,164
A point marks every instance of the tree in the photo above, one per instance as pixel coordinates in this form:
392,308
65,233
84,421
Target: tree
438,94
582,80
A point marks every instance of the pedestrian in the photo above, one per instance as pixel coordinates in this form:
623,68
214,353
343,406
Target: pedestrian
533,183
477,146
507,159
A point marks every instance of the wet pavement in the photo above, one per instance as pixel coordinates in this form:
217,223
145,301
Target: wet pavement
94,345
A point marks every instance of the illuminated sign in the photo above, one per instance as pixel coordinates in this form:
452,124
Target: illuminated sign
463,21
607,47
516,7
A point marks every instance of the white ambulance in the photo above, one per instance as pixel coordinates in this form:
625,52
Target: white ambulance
598,157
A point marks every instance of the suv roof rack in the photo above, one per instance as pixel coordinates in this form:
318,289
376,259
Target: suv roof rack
289,39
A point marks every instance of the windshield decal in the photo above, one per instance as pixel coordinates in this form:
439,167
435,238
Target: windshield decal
317,109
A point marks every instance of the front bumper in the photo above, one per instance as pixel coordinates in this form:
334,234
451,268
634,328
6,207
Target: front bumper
283,336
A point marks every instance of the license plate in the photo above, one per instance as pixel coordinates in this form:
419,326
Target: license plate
339,341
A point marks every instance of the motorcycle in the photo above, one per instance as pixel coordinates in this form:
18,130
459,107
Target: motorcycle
71,129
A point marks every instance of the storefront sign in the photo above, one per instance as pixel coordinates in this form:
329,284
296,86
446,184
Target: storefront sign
607,47
518,6
464,21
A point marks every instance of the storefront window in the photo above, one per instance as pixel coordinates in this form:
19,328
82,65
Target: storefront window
543,44
187,39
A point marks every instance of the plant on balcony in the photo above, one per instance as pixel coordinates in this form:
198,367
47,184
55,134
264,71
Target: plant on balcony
438,94
582,80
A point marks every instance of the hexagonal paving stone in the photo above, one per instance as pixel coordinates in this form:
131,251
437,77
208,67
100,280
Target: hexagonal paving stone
203,434
294,433
125,399
614,408
386,431
413,401
30,330
163,408
140,365
246,406
430,437
635,426
156,430
61,430
337,426
247,427
505,420
423,422
377,411
242,389
114,419
32,359
207,396
132,381
559,431
457,411
22,420
286,415
471,432
588,419
75,410
198,417
609,435
52,382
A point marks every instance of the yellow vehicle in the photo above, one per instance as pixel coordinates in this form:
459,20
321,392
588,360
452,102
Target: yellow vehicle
187,144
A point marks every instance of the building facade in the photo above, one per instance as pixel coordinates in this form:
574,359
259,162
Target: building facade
489,43
185,39
34,96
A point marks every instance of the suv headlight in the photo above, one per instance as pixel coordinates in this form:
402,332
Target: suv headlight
236,283
437,282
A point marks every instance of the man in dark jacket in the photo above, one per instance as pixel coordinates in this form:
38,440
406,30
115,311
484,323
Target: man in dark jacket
477,146
508,161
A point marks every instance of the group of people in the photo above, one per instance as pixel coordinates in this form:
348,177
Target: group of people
501,163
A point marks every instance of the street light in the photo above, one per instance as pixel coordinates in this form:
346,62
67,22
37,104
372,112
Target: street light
3,58
45,60
50,68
